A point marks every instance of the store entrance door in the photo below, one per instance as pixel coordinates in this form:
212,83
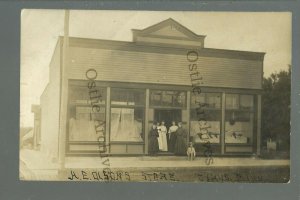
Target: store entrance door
167,115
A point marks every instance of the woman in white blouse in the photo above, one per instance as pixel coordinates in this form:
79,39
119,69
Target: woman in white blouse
163,136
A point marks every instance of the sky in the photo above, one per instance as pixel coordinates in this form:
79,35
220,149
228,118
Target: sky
268,32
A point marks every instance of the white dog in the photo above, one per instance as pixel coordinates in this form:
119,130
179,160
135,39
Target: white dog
191,153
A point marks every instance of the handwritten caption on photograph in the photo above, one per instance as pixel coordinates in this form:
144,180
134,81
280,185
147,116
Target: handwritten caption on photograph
108,175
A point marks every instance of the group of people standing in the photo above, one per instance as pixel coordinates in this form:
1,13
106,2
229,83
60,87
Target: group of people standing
162,139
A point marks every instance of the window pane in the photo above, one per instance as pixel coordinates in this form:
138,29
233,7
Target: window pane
119,97
232,101
213,100
239,115
83,95
239,123
167,98
137,97
155,97
239,128
126,124
90,113
207,129
86,113
127,97
206,126
246,102
197,99
180,99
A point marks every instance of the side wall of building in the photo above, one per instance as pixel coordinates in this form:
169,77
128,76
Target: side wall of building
50,106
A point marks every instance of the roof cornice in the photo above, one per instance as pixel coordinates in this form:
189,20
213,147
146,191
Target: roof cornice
157,48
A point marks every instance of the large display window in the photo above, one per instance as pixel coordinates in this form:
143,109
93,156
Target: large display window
239,119
86,116
206,128
127,115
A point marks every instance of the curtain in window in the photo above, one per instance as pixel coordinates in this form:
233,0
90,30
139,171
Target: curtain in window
124,127
83,129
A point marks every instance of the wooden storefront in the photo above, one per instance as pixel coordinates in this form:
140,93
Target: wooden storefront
149,80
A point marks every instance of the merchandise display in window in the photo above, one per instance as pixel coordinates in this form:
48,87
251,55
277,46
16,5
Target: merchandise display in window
207,129
239,119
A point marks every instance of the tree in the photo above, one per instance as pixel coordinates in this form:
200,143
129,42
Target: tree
276,106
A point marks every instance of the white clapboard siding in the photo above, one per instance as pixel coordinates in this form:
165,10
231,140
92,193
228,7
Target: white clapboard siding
166,68
50,100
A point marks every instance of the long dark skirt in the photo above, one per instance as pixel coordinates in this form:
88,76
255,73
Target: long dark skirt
180,146
168,140
172,142
153,145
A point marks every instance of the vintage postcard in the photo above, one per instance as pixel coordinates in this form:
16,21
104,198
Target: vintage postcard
155,96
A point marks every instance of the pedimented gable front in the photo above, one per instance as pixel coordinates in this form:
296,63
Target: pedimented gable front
170,30
170,33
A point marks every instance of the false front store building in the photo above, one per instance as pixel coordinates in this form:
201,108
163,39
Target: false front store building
108,93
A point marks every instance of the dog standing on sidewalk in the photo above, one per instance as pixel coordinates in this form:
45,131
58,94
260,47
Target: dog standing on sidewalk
191,153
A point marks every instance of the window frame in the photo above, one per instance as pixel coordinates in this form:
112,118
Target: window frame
139,106
194,106
242,110
151,105
73,104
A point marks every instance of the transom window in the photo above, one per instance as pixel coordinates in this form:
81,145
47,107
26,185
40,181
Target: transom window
168,98
127,97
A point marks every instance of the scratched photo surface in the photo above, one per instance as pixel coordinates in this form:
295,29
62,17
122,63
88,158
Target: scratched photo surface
110,96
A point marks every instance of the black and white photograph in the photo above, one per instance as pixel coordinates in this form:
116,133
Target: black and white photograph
155,96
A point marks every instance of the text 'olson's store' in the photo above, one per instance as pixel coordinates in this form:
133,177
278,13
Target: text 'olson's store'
147,80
